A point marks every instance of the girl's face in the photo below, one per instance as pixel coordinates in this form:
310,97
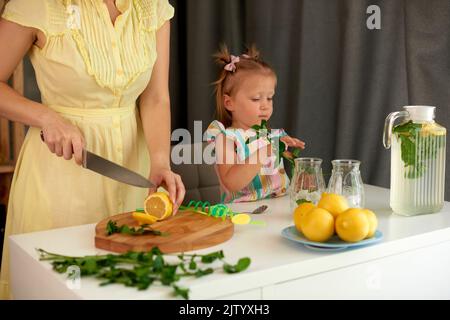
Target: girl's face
252,100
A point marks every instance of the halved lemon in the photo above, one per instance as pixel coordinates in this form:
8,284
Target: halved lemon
144,218
158,205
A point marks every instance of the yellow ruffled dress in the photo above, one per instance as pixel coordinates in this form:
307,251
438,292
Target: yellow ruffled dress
92,72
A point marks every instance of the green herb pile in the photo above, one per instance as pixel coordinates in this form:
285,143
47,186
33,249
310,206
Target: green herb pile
142,270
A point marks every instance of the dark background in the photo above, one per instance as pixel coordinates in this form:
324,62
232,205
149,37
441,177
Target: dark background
337,80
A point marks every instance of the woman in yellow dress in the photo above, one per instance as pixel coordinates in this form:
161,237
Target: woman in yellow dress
102,69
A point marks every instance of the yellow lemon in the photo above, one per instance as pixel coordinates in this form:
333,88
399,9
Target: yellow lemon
144,218
352,225
158,205
373,222
300,212
318,225
333,203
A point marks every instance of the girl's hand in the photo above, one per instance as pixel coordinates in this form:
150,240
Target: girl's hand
63,138
293,142
171,182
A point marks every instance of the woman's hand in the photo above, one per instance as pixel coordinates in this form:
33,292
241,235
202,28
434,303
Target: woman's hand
171,182
293,142
63,138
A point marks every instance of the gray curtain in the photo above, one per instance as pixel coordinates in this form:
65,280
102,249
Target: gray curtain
337,80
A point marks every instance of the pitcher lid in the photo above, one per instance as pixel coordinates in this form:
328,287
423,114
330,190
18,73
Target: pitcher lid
421,113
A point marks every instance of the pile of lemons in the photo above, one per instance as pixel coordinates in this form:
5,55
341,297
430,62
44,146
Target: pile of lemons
333,215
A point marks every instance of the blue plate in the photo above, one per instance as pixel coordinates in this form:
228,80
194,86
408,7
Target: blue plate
332,245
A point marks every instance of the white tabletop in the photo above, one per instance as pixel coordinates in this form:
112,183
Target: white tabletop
274,259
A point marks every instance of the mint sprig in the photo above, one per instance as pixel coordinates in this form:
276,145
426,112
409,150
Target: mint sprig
144,229
281,151
143,269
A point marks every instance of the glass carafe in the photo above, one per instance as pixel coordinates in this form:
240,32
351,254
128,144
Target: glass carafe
417,160
346,180
307,183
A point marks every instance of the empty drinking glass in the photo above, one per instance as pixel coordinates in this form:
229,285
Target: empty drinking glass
346,181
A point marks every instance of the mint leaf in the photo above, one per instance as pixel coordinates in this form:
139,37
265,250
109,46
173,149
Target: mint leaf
192,265
242,264
296,152
181,292
301,201
111,227
205,272
210,258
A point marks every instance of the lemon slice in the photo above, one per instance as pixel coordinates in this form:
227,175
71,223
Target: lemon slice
241,219
144,218
158,205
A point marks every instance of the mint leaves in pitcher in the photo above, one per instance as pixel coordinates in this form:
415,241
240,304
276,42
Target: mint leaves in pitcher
419,143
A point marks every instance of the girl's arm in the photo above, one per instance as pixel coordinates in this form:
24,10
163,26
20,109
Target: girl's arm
61,137
154,107
236,175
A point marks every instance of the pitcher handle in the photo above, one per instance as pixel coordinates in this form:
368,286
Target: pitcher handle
388,125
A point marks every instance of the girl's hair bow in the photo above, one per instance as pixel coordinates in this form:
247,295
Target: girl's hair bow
232,65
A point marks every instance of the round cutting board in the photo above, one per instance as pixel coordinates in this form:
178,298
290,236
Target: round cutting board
186,231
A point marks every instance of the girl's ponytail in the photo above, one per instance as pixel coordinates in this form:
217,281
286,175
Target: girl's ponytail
222,58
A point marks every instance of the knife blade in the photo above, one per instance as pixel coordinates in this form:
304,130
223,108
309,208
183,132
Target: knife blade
114,171
100,165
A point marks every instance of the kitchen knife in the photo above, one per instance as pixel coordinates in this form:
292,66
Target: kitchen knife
112,170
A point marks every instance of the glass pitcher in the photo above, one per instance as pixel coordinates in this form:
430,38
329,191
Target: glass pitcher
417,160
346,181
307,183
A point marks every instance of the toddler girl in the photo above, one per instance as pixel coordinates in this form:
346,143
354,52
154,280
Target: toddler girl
247,156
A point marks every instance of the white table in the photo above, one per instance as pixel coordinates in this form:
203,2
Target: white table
413,261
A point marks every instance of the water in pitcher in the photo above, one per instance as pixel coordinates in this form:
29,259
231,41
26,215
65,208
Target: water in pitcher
417,168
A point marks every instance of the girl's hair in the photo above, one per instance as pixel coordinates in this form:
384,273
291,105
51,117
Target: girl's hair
3,8
231,74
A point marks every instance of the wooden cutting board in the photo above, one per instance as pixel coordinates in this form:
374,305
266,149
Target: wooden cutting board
187,231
